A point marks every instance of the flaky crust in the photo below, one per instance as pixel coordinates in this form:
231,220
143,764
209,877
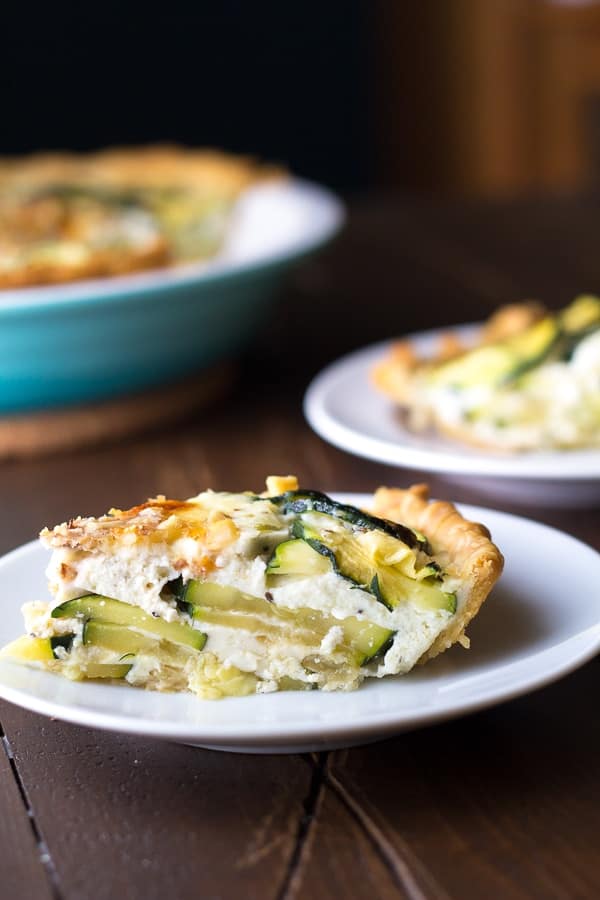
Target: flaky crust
464,550
153,165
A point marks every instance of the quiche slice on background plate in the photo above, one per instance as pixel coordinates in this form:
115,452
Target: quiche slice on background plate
530,382
66,217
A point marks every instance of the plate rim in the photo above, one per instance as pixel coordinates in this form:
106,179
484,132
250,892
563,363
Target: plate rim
538,465
303,733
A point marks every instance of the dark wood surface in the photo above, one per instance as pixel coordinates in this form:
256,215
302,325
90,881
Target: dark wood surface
504,803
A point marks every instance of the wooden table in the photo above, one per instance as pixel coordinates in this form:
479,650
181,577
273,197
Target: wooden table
502,804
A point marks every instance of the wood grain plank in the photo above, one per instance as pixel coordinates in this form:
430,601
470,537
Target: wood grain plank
502,804
339,860
22,873
132,818
543,247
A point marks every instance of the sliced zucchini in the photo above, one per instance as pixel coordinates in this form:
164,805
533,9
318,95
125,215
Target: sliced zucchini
272,630
117,637
360,640
502,362
485,365
127,643
533,346
432,572
206,595
306,501
582,315
376,555
299,557
228,619
367,639
358,557
392,587
106,670
220,596
294,684
226,606
580,319
105,609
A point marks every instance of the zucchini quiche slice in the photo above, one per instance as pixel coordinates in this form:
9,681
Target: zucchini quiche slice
532,380
231,594
64,217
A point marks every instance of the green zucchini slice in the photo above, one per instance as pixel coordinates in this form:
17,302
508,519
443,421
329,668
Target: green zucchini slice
119,638
337,531
299,557
357,556
307,501
226,606
502,362
105,609
107,670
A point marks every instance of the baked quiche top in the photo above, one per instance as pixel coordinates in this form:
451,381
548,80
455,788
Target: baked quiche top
65,216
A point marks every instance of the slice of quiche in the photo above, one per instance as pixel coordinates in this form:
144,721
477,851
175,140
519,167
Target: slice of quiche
65,217
233,594
532,380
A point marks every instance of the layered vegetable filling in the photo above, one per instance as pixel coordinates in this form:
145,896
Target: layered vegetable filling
232,594
71,224
538,388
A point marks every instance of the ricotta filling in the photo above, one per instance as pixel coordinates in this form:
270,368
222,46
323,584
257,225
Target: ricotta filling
138,578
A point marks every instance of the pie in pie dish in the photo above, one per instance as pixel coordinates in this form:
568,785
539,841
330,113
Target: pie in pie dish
66,217
532,381
233,594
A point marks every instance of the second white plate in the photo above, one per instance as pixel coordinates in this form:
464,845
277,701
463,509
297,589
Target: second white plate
542,621
345,409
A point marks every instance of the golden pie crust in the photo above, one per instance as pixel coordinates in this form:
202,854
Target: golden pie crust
464,550
154,165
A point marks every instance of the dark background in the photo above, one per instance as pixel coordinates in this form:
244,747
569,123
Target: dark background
291,82
463,97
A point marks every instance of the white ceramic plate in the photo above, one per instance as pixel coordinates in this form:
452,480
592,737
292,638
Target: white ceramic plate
542,621
343,407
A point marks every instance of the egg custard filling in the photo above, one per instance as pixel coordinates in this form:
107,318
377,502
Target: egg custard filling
531,382
232,594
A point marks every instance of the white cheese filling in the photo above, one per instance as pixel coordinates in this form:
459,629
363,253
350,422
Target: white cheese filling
138,578
556,404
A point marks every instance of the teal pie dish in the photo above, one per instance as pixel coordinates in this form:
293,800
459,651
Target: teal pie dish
90,340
